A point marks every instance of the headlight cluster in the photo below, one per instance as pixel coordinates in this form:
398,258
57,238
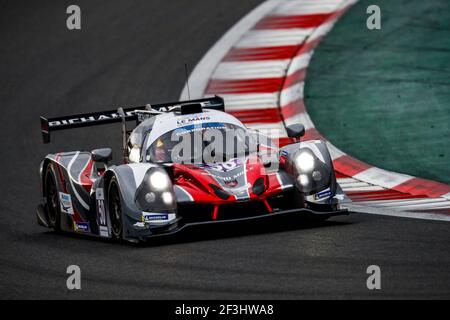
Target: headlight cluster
305,161
312,174
155,192
159,180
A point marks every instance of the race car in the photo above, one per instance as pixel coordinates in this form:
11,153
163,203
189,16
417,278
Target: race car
171,177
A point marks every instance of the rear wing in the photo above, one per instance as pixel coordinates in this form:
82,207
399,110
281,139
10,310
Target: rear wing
137,114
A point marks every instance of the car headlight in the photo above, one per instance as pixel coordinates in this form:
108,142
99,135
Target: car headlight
303,179
150,197
305,161
167,198
313,175
155,194
159,181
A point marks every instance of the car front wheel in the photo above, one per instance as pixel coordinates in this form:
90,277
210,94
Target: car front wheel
115,209
51,194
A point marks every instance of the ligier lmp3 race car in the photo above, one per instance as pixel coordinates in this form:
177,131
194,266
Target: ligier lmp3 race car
153,193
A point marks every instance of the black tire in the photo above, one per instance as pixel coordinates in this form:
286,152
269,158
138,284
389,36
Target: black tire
115,209
51,194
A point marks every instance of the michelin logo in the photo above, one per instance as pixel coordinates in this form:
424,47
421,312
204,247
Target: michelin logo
81,226
155,217
323,194
65,202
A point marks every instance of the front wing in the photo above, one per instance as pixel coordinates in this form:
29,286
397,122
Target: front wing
178,226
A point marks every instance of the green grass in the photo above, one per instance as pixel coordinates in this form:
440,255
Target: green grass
383,96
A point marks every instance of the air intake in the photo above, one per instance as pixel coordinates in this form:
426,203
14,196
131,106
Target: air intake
191,108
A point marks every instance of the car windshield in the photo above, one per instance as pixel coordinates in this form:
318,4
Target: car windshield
201,143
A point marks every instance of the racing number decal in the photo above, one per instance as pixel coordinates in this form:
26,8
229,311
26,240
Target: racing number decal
66,203
101,207
226,166
101,212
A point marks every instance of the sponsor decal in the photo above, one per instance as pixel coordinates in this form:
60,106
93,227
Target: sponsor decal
81,226
65,202
101,211
192,119
152,217
104,231
322,194
192,128
81,120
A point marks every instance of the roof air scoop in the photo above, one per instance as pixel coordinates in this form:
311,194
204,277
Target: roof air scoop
191,108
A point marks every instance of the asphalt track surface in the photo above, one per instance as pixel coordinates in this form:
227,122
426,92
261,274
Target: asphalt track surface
132,53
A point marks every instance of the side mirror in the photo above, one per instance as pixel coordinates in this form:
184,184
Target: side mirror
101,155
295,130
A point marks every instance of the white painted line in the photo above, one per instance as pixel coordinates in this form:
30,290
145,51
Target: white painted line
198,80
242,70
275,130
299,62
400,214
417,206
364,189
354,185
382,177
408,202
234,102
291,94
251,70
322,30
273,38
434,205
301,7
404,202
346,180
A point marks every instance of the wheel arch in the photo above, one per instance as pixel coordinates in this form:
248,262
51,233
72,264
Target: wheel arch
127,188
42,172
109,174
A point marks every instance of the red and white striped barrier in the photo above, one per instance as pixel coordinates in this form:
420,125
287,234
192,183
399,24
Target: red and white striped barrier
259,67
